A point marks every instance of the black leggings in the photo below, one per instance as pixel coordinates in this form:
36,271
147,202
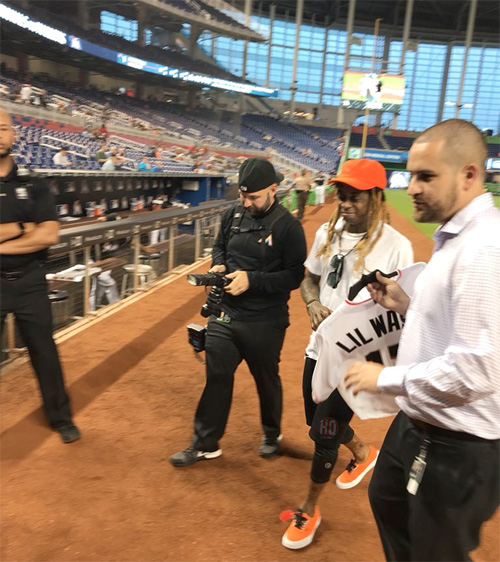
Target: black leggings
329,423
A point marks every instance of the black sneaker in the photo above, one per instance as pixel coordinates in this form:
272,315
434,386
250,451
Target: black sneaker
69,433
270,447
191,455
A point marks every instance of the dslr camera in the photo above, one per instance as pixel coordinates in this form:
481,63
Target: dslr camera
197,333
215,280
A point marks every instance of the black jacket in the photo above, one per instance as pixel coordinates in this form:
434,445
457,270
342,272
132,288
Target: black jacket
272,249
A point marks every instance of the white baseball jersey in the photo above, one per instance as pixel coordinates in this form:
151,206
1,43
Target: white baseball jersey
392,251
360,331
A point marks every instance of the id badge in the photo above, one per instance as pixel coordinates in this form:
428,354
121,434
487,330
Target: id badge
416,474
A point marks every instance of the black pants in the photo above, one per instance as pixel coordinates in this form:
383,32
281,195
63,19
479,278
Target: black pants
301,203
458,493
27,299
329,423
227,344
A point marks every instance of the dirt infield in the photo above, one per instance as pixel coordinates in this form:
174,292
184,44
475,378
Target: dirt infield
113,495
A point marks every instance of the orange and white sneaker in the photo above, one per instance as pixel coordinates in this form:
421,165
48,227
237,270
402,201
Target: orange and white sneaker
302,528
355,472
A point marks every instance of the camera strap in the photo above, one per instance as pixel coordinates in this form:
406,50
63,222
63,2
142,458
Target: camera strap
239,214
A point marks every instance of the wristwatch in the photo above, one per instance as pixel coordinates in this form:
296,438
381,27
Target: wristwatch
22,227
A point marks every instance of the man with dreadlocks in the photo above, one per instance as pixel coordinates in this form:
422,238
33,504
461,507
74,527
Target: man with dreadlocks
356,240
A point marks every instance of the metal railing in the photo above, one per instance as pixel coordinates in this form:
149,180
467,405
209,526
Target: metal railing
118,260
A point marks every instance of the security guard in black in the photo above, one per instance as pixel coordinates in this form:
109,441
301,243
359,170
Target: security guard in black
28,225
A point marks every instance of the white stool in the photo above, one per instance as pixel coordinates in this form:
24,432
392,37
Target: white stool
144,276
153,260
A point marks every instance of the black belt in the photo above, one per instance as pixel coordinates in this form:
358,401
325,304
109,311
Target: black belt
14,275
435,431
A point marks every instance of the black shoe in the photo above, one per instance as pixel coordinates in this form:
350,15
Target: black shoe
191,455
69,433
270,447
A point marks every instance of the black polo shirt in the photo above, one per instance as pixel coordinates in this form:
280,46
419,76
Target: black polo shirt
24,198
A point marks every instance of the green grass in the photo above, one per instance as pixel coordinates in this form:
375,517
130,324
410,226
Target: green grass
402,202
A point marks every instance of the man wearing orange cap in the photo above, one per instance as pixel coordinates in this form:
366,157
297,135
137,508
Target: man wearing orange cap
355,241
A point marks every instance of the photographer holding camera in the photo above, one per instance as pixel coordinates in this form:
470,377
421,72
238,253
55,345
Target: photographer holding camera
260,249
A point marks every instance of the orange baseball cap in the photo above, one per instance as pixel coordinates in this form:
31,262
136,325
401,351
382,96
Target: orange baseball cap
363,174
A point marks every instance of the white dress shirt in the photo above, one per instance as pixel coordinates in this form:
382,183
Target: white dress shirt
448,368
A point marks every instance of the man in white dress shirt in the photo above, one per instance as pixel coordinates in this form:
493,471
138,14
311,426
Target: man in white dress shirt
437,477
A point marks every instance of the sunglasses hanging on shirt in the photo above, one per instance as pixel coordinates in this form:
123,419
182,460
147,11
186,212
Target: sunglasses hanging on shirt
337,265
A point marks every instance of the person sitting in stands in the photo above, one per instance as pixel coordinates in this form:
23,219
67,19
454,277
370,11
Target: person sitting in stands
101,154
156,152
144,165
25,94
118,156
110,164
61,157
103,132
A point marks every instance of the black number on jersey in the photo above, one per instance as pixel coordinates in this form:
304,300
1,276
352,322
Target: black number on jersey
376,356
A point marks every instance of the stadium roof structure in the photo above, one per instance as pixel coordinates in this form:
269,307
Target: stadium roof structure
444,20
165,13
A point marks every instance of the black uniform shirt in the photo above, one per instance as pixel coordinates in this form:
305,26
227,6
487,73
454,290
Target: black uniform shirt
24,199
272,258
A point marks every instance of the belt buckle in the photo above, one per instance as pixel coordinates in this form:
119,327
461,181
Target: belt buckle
224,318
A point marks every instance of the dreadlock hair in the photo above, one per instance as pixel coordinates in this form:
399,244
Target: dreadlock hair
376,213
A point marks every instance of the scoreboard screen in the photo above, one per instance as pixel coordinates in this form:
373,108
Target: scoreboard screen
377,92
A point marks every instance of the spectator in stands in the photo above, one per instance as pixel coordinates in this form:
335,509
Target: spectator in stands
61,157
302,186
61,106
101,155
39,98
116,153
42,98
156,152
110,164
71,108
25,94
102,132
118,157
145,166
